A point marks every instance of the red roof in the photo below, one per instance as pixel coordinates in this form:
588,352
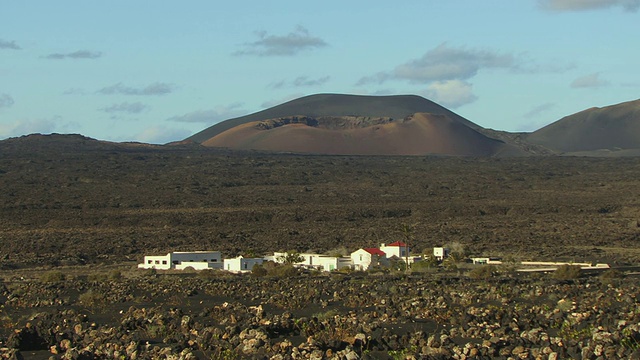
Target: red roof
398,243
374,251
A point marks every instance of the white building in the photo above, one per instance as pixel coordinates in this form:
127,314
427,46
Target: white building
316,261
440,253
364,259
398,249
241,264
198,260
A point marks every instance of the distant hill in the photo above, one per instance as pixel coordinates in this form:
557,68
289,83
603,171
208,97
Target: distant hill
397,107
358,125
418,134
603,131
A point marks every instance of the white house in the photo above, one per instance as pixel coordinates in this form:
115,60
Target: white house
241,264
440,253
330,263
398,249
198,260
316,261
364,259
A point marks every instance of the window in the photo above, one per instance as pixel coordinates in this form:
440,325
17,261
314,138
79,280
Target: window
214,260
164,262
245,265
157,261
360,257
149,261
175,262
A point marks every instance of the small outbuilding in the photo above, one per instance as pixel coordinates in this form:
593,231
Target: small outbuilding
440,253
241,264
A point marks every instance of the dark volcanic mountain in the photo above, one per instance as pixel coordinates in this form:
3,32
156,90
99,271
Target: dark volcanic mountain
419,134
395,107
356,125
612,128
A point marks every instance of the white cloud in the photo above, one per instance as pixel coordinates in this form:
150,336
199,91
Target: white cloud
581,5
444,63
161,135
131,108
451,93
282,45
211,116
25,127
80,54
300,81
589,81
157,88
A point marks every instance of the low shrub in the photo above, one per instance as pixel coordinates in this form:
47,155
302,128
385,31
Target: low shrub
611,276
482,272
52,276
258,270
567,272
91,298
115,275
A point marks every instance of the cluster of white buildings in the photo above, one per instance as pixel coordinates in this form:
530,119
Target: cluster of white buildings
361,259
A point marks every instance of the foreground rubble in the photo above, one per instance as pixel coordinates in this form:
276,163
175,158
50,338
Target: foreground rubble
316,316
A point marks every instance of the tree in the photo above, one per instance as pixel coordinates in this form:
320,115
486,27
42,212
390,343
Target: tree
290,258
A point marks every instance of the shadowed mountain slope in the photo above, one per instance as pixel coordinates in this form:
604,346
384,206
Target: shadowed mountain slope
396,107
611,128
419,134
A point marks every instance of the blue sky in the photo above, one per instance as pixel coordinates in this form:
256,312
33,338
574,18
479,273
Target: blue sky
159,71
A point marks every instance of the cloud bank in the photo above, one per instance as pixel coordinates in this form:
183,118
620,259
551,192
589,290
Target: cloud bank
444,63
157,88
282,45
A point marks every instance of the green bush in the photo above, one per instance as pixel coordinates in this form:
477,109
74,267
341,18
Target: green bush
482,272
258,270
96,277
611,276
91,298
567,272
283,271
115,275
52,276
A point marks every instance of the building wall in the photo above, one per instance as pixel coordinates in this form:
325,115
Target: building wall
162,262
399,251
361,259
241,264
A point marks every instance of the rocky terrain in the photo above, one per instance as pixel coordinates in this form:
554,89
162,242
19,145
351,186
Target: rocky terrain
77,215
69,200
213,315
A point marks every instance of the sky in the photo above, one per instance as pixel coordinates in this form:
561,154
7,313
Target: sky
157,71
